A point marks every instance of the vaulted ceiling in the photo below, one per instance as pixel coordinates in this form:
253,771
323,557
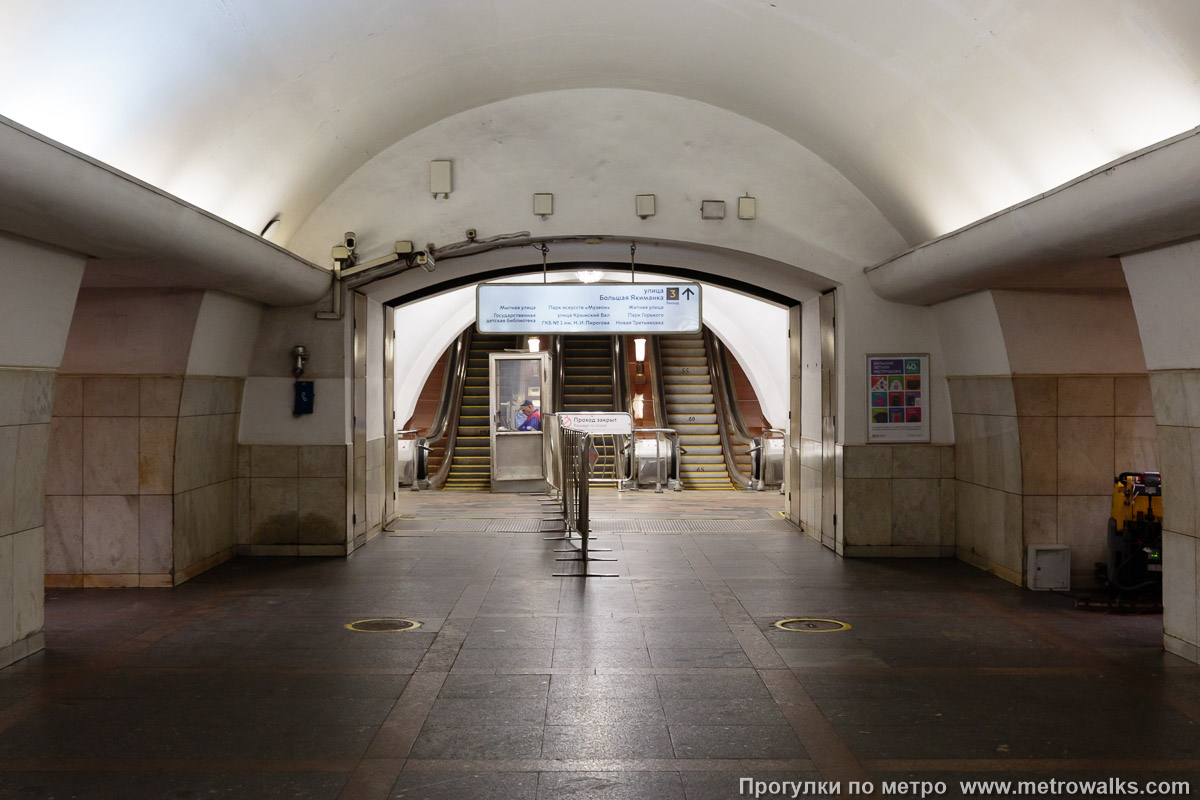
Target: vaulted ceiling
939,111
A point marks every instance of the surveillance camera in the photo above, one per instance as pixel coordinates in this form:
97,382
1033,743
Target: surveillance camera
425,260
350,239
471,234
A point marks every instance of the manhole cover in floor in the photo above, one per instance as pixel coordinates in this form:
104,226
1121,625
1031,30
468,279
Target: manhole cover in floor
809,625
382,625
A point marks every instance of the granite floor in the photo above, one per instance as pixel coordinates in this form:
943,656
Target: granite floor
669,681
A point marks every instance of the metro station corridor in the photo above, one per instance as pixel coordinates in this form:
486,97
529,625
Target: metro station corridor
669,681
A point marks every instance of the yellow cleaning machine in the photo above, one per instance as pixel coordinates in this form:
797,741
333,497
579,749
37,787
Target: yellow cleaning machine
1133,573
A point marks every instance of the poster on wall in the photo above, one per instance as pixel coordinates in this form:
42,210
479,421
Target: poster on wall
898,398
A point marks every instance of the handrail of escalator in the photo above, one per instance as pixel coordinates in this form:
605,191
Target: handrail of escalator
734,409
447,416
656,381
723,403
558,368
620,376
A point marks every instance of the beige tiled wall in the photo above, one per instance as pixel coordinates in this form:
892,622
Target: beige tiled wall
109,481
206,491
1176,398
26,398
898,500
810,487
376,451
1035,460
293,500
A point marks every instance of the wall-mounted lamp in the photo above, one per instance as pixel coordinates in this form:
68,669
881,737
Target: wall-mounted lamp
535,344
440,180
712,209
639,355
639,405
543,204
747,207
299,359
644,204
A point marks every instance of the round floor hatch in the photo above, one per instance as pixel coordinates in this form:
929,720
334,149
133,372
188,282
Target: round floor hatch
811,625
383,625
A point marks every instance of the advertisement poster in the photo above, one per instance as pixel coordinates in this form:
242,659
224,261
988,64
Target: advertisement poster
898,398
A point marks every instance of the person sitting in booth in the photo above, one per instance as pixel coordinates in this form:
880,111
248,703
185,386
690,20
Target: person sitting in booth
533,417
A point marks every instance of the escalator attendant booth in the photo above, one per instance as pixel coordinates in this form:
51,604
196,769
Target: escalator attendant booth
519,456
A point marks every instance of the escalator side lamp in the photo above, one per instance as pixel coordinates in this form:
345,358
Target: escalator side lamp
305,398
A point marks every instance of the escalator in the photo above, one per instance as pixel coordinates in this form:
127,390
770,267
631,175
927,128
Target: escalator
471,464
691,410
587,385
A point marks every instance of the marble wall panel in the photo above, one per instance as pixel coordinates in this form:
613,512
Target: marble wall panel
9,436
110,534
64,458
868,511
1180,604
1135,445
1085,455
159,396
28,578
1086,396
110,454
322,510
1083,525
268,461
1036,396
7,616
64,535
29,488
916,511
1132,397
38,401
1175,461
156,455
156,519
274,508
68,397
12,395
110,397
1039,455
322,461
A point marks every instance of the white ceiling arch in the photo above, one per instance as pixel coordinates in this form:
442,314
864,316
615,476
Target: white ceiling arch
939,111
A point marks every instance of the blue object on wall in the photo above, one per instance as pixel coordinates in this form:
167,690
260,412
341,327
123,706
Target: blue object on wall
305,398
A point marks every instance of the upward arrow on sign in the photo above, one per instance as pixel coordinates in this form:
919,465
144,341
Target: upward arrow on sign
688,292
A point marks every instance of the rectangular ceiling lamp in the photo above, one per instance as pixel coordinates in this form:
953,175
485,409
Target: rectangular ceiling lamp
543,205
712,209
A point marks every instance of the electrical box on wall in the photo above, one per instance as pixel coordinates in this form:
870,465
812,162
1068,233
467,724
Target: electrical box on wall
1048,567
305,398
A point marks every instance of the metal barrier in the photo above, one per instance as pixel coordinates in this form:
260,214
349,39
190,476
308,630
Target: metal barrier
616,443
574,473
667,438
407,454
768,460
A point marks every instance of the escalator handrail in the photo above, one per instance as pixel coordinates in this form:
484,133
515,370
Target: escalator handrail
450,383
654,365
720,398
462,355
620,376
740,429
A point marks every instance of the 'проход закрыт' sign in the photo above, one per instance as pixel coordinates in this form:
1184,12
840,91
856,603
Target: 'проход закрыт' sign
588,308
